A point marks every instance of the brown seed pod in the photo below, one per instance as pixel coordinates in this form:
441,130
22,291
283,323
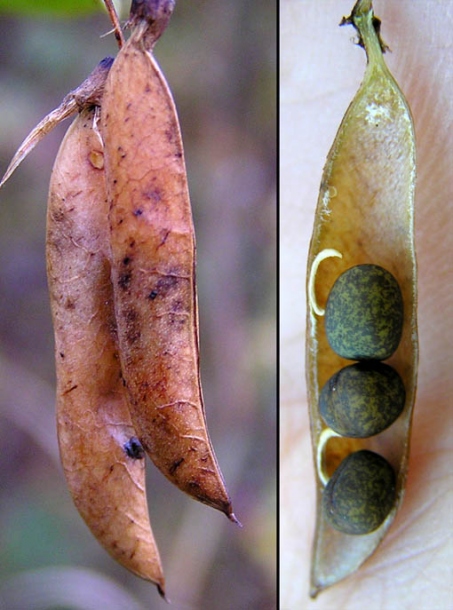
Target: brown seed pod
100,453
364,216
153,264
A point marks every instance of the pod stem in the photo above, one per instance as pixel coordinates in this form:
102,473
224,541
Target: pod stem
150,18
110,7
368,27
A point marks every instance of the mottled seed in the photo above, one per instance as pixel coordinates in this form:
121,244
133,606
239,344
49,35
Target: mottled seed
360,494
364,314
362,399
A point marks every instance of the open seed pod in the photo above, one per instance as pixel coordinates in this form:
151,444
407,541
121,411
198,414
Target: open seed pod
364,215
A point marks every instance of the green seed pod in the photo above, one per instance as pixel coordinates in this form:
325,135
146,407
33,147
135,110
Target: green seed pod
364,314
362,399
360,494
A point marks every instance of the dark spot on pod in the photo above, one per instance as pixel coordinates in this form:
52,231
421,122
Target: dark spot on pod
153,194
360,494
58,215
137,212
166,283
106,63
176,464
362,399
134,448
164,235
144,389
163,286
364,314
71,389
177,305
133,332
124,280
177,322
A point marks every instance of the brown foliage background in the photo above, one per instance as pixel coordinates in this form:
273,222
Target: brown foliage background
220,61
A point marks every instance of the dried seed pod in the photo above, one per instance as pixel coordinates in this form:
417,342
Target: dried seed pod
364,215
153,264
360,494
364,314
98,444
362,399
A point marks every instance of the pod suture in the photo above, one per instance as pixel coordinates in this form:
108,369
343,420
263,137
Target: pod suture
364,218
153,263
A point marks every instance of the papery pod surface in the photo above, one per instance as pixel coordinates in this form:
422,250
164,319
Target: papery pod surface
364,215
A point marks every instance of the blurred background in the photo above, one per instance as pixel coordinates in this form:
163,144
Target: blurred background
220,61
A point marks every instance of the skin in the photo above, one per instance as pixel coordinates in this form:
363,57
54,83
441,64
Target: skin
153,267
102,461
321,71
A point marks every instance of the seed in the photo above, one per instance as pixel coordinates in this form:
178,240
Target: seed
362,399
360,494
364,314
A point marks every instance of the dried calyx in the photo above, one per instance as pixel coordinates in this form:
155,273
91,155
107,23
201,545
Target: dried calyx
88,94
150,18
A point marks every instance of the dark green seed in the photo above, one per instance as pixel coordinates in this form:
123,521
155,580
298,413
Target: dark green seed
362,399
360,494
364,314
